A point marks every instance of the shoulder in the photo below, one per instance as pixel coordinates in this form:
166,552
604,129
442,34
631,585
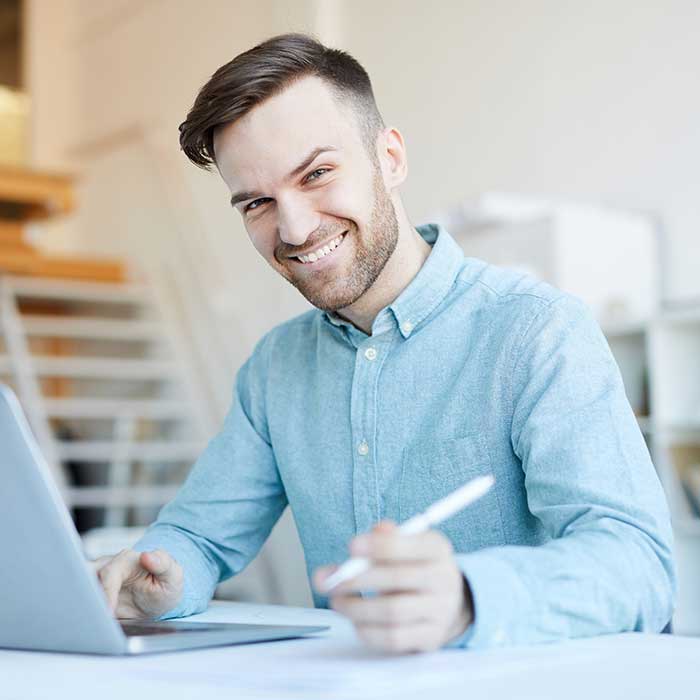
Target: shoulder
290,333
508,285
285,341
274,352
518,298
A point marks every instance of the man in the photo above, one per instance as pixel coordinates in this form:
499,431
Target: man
418,370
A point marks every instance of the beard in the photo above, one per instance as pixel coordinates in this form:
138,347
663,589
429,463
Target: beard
341,286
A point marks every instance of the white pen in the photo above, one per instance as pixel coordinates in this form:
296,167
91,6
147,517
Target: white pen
439,511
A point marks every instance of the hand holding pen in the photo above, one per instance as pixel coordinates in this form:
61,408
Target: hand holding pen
422,598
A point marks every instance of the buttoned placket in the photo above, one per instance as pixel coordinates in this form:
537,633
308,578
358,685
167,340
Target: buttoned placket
370,356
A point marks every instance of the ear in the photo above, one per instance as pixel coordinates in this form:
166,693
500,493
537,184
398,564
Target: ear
392,157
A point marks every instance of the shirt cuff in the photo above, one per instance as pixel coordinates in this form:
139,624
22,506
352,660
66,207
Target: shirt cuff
199,579
497,595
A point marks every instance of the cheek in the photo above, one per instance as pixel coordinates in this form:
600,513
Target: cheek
263,241
343,201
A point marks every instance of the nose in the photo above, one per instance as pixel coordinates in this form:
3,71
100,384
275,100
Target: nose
297,221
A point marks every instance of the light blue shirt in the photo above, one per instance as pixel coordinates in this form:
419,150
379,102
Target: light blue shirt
473,370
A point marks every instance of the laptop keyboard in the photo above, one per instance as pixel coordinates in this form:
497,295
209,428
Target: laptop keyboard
131,630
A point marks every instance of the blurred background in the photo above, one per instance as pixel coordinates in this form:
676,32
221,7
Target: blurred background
554,136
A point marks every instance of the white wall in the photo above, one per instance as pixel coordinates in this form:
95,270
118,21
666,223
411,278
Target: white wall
593,100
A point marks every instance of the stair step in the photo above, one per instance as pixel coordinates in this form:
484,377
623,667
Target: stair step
104,368
92,496
106,451
129,293
28,261
92,328
154,409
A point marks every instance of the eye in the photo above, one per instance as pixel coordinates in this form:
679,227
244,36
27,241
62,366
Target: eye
255,204
319,170
255,201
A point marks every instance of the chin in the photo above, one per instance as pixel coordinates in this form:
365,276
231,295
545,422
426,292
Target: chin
336,302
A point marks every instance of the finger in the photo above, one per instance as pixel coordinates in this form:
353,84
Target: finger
97,564
394,546
396,577
113,574
320,575
395,609
161,565
111,577
418,636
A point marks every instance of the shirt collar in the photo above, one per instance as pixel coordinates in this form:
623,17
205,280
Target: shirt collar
427,289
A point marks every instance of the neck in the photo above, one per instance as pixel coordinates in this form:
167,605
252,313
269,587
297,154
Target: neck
407,259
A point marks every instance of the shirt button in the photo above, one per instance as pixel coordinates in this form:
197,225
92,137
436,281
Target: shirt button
406,326
371,354
363,448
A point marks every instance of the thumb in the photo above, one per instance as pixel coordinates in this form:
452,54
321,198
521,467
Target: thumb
321,574
160,564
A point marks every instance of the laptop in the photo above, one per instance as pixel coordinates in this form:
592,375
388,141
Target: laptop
50,599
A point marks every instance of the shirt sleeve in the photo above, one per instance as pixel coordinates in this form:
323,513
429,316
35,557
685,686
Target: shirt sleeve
608,566
232,498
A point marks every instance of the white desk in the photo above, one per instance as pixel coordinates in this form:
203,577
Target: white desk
336,666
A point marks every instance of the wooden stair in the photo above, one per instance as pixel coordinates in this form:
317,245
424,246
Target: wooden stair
97,361
26,196
119,393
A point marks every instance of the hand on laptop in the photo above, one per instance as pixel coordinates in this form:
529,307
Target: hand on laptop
421,601
140,585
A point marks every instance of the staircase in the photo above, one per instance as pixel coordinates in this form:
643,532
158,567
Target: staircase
103,376
97,363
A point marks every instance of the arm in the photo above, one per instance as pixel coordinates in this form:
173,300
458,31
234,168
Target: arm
589,479
232,498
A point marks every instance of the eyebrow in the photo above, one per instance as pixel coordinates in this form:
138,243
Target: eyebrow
242,196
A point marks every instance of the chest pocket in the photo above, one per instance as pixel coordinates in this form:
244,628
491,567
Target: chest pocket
429,474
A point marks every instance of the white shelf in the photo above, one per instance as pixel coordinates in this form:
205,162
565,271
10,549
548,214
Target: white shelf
111,496
106,451
681,317
154,409
674,370
617,329
687,428
628,344
660,365
104,368
92,328
79,291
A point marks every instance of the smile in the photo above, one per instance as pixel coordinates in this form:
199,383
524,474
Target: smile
321,252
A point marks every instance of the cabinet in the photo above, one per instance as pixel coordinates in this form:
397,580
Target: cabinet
660,365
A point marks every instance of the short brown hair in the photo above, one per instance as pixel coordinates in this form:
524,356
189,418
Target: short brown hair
265,70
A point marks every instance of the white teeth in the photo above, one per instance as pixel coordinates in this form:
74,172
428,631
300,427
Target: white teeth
321,252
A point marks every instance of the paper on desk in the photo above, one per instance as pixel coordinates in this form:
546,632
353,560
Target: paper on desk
342,669
313,669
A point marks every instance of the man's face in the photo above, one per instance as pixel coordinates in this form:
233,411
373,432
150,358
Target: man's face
336,204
